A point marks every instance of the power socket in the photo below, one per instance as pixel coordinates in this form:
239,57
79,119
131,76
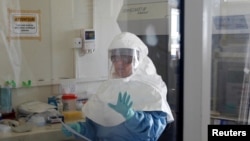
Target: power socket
77,43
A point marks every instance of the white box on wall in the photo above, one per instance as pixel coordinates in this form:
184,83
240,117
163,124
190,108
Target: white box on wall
94,66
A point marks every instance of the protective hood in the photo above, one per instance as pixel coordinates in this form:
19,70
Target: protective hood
129,41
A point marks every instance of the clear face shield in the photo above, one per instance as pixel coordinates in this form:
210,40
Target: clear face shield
123,62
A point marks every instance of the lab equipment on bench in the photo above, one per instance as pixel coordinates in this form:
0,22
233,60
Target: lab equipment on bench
32,107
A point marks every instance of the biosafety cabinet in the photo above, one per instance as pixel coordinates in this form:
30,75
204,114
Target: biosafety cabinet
156,23
230,69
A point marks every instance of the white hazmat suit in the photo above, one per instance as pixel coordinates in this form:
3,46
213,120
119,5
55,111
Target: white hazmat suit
150,110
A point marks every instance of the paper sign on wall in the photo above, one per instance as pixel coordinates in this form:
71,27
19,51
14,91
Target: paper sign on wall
24,24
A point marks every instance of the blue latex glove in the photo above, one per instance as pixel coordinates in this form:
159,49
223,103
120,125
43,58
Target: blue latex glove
75,126
123,106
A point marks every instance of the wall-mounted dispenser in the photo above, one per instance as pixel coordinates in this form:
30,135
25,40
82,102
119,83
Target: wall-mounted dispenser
88,40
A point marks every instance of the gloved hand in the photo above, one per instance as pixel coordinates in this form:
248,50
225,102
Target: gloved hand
123,106
75,126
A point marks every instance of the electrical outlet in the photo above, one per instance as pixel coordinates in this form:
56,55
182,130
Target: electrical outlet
77,43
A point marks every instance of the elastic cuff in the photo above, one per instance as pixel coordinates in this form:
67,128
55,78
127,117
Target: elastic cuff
130,114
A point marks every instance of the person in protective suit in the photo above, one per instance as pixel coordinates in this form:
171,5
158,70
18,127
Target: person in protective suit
131,105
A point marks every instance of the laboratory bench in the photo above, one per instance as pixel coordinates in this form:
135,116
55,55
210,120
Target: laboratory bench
49,132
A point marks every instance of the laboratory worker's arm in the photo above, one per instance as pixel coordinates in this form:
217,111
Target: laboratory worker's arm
147,125
85,128
143,125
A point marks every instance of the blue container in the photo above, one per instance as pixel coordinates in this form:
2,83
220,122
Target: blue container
52,101
5,100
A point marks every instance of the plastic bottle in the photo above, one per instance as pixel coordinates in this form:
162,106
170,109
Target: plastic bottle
69,102
6,99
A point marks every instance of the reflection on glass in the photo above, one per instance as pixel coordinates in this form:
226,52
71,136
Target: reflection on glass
230,63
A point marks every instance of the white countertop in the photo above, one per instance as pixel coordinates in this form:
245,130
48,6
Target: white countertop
35,130
48,132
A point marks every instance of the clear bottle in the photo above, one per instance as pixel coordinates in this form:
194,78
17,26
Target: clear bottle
69,102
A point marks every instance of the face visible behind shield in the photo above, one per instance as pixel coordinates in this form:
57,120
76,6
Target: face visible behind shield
123,62
125,52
